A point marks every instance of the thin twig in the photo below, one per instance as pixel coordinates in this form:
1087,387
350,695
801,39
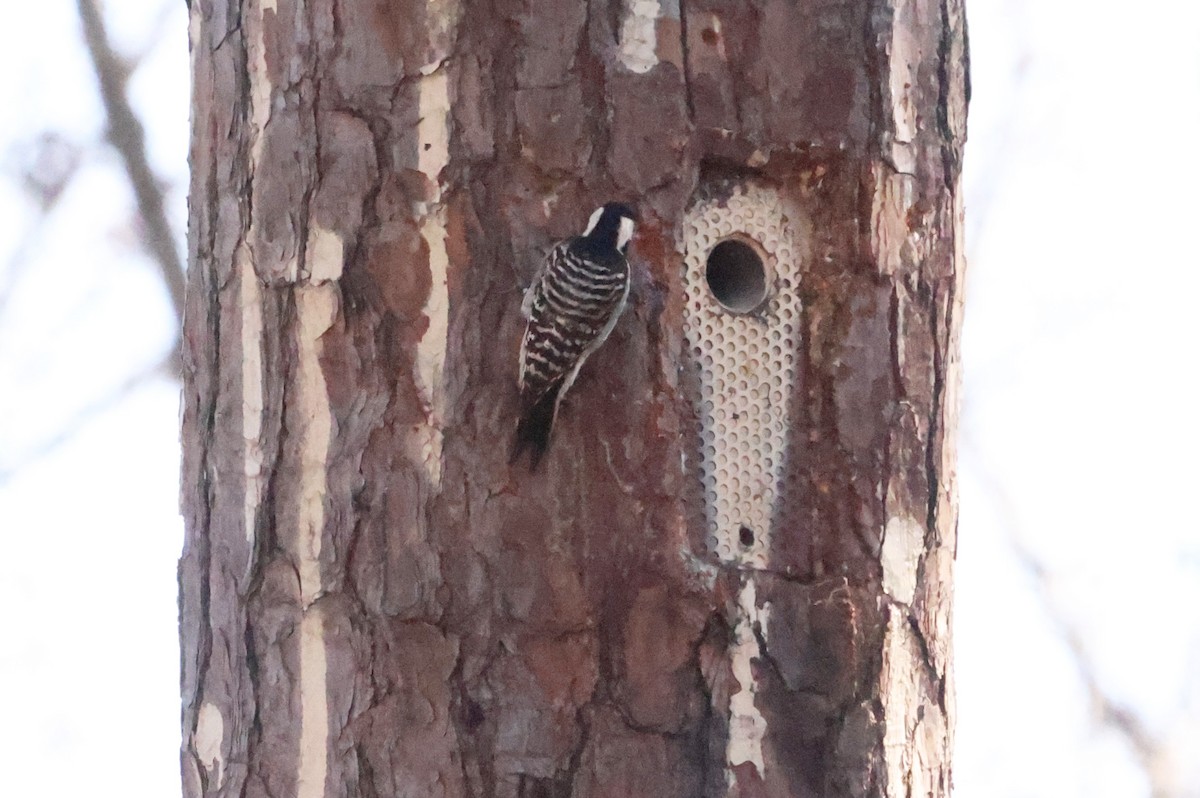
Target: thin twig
126,134
1146,747
85,416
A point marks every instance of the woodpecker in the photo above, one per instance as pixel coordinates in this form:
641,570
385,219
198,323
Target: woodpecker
572,307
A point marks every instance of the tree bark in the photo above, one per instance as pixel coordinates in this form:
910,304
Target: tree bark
373,603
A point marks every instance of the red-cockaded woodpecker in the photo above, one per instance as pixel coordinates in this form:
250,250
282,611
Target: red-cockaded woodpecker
572,307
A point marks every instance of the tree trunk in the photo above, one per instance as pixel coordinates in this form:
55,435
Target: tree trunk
731,576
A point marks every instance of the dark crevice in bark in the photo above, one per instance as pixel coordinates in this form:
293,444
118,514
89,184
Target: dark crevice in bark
479,727
356,260
468,717
273,426
488,183
199,538
303,267
950,152
825,510
788,576
275,353
235,29
894,334
966,56
898,398
686,70
349,585
794,508
808,770
592,73
932,449
878,21
583,722
835,463
267,543
927,661
611,15
337,47
864,211
201,553
254,733
543,787
240,123
310,101
366,774
200,771
705,734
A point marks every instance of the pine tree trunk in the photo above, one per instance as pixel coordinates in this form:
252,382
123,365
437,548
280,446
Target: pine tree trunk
373,602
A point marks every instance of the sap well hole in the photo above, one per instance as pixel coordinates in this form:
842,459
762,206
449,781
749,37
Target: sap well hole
736,276
746,536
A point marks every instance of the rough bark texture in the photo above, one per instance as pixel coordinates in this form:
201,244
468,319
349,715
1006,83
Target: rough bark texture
372,602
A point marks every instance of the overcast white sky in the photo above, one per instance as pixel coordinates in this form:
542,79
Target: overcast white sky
1079,431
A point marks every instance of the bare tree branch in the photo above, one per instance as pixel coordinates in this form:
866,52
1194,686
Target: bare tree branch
19,264
128,137
1151,753
45,169
86,415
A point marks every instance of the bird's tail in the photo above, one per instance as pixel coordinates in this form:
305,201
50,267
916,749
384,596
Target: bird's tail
533,430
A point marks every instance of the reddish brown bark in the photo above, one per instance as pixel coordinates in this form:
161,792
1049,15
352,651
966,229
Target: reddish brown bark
372,602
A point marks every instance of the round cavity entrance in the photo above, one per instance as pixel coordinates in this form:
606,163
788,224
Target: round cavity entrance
736,276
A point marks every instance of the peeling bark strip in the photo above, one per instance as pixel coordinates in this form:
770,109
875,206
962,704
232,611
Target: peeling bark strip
372,603
316,307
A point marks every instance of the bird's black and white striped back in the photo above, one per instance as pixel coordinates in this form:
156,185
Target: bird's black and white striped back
572,309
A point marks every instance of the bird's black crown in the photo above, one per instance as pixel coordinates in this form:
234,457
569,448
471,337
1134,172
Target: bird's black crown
611,226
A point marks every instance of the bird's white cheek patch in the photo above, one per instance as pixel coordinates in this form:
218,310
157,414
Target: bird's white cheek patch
625,234
593,221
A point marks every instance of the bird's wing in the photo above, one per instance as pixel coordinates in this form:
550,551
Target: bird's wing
573,307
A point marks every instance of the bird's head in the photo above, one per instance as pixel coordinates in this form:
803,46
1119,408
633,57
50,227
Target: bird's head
612,225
